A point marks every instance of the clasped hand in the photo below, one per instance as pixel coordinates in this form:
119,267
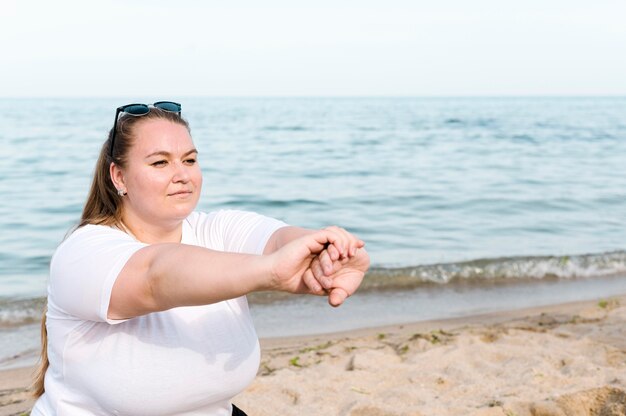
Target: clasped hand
330,262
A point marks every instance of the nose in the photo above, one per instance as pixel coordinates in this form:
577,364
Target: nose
181,173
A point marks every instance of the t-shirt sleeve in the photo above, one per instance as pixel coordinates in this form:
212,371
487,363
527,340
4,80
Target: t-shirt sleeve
234,231
84,268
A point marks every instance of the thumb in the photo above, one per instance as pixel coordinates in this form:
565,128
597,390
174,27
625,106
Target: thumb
337,296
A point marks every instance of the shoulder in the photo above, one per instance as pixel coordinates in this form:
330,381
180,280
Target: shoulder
92,239
233,230
91,233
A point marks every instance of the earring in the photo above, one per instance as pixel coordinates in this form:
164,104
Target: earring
121,192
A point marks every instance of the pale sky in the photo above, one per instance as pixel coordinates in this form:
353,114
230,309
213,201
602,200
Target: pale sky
66,48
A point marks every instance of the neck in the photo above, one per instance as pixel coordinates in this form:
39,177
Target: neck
151,233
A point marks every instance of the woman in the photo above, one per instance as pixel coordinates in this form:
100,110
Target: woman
147,312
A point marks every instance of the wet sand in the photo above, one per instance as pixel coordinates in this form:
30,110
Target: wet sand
558,360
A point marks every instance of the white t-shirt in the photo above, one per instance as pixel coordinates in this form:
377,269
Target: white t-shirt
184,361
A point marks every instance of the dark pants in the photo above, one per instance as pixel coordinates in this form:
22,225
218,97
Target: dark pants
238,412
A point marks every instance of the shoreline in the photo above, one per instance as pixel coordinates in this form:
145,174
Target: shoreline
485,319
558,358
430,303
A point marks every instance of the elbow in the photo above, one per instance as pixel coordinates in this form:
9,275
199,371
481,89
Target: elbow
154,290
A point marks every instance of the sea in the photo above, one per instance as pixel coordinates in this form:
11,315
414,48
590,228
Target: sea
467,205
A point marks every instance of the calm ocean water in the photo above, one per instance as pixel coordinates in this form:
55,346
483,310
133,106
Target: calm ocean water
441,189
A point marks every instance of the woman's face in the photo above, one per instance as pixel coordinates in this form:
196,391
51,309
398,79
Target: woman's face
162,176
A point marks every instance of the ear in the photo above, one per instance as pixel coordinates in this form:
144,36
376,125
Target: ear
117,176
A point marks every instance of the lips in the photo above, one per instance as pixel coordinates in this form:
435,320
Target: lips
182,192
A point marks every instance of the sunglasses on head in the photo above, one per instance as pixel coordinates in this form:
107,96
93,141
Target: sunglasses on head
139,110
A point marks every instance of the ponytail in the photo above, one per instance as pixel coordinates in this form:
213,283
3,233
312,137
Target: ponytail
38,383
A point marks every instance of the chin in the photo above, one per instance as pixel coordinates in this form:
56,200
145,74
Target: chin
182,212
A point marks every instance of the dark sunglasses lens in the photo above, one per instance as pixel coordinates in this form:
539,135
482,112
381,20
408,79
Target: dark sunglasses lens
136,109
168,106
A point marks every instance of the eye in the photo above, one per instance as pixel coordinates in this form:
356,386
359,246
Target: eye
159,163
190,161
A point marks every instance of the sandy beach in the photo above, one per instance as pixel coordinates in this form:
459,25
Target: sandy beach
558,360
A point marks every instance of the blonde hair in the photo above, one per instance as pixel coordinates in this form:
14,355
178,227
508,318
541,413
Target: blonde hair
103,205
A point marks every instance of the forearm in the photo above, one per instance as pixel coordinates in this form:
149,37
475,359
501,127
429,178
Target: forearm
190,275
164,276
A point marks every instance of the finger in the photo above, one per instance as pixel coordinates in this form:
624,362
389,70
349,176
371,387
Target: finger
341,239
325,278
319,274
354,244
357,245
333,252
347,243
311,283
337,296
322,239
326,262
316,268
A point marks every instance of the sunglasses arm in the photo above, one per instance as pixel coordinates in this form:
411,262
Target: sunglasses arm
117,114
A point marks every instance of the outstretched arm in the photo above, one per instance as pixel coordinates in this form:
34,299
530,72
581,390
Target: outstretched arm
163,276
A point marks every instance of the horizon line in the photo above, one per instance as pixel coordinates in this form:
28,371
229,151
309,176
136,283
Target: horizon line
433,96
